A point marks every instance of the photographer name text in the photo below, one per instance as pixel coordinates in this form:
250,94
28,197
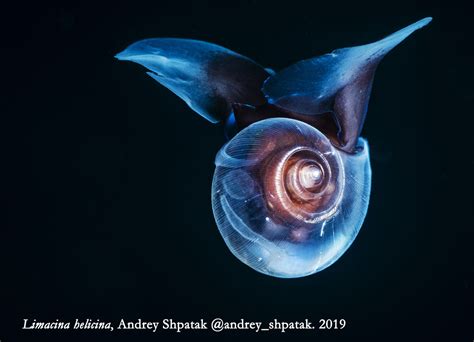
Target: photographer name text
169,324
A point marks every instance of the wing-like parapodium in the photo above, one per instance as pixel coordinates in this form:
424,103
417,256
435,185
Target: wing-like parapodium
339,82
208,77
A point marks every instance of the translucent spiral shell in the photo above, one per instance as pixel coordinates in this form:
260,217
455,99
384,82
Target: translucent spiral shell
287,203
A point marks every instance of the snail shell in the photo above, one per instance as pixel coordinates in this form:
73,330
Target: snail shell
286,201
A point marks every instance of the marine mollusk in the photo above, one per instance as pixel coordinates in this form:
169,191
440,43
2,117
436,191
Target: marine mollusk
291,187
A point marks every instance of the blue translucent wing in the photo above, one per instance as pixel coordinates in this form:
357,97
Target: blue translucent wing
338,82
208,77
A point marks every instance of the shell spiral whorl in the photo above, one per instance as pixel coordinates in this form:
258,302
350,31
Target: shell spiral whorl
301,180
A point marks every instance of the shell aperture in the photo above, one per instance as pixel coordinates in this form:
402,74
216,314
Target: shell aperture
291,187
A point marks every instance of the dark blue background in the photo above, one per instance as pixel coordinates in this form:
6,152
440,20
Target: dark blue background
105,193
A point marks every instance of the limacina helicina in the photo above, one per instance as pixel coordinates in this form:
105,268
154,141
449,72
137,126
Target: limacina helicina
291,187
